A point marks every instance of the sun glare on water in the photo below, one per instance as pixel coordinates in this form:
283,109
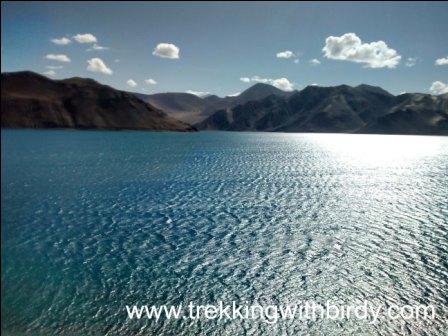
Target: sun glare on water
380,150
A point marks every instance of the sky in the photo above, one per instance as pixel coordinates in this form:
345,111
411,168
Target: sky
224,48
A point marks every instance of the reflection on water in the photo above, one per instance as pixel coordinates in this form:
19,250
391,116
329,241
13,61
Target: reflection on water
381,150
92,221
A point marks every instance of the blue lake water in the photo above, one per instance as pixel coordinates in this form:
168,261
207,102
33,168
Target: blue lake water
93,221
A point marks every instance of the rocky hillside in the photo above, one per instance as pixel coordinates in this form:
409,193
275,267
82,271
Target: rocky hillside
193,109
339,109
29,100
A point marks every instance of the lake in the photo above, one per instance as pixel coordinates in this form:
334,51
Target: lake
93,221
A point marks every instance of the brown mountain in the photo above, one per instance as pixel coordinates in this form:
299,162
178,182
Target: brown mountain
30,100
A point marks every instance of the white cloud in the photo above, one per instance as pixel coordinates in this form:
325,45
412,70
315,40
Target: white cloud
314,84
438,87
198,93
234,94
97,65
280,83
349,47
283,84
150,81
131,83
258,79
314,61
50,73
85,38
410,62
442,61
61,41
58,57
166,50
296,61
285,54
54,67
97,47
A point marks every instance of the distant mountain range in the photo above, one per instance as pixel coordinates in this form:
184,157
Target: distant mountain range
338,109
193,109
31,100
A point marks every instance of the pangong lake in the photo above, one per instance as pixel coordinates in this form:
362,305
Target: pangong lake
93,221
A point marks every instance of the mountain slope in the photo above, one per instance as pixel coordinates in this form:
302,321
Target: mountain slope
336,109
256,92
414,114
29,100
182,106
193,109
314,109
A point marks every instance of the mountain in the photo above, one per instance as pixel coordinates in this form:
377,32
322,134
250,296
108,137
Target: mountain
339,109
29,100
182,106
258,91
193,109
414,114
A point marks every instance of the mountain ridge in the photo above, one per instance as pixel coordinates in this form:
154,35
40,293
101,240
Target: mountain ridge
35,101
337,109
192,109
30,100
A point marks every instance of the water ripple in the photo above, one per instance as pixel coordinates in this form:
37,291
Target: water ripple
92,221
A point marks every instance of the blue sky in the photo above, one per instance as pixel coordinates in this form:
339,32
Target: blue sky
223,48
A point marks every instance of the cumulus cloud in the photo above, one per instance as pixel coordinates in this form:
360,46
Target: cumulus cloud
85,38
286,54
442,61
349,47
61,41
97,47
410,62
283,84
236,94
314,61
150,81
198,93
50,73
54,67
438,88
97,65
131,83
58,57
280,83
166,50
